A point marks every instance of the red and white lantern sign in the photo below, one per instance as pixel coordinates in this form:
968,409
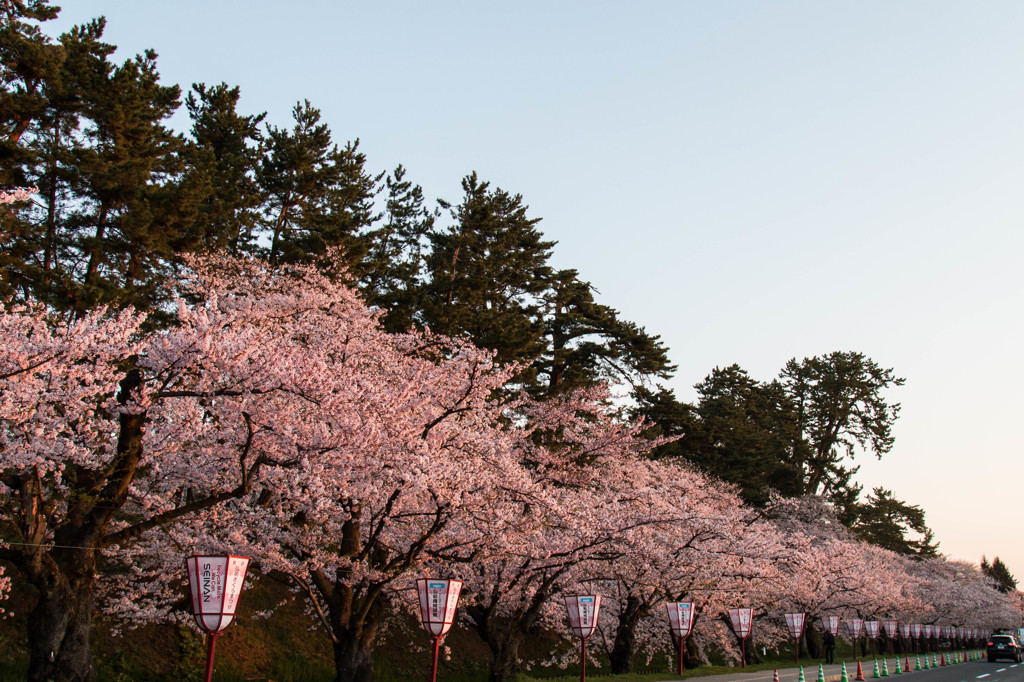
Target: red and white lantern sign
795,623
680,618
438,601
871,627
215,583
890,628
583,610
742,621
855,626
915,630
905,630
831,624
927,631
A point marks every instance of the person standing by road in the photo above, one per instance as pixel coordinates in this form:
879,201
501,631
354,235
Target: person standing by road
829,641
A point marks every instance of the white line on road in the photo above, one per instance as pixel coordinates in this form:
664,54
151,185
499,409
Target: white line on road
1001,670
981,676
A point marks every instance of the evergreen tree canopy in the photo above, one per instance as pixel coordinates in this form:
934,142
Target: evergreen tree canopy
487,273
317,195
883,520
840,405
741,431
997,570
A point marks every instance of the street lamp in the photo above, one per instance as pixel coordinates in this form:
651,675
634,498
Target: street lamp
438,599
583,610
215,583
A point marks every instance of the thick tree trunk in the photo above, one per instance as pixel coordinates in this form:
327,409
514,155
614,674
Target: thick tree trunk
58,626
353,658
625,637
813,645
505,657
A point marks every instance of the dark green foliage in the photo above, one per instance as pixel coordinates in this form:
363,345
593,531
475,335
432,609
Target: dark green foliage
393,270
741,431
220,164
487,273
883,520
317,196
997,570
586,342
840,406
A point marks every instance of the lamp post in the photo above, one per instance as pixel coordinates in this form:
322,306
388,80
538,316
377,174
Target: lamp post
583,610
215,583
438,599
680,620
795,624
742,622
871,628
855,626
890,631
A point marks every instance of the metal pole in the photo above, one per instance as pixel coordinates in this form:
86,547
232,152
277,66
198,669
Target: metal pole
681,640
583,660
209,657
433,670
743,652
796,649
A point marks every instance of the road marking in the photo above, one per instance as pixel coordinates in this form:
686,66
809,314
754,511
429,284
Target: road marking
981,676
1001,670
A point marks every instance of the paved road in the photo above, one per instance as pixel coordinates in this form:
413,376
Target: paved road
982,671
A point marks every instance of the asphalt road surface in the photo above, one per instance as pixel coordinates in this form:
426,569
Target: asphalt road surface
979,671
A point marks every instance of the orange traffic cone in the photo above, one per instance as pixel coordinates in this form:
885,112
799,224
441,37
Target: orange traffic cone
942,661
776,677
860,673
906,665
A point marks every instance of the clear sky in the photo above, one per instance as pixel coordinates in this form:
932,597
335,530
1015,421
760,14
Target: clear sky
753,181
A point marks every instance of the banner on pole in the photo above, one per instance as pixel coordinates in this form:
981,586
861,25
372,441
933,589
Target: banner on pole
795,623
742,621
583,610
438,600
831,624
680,618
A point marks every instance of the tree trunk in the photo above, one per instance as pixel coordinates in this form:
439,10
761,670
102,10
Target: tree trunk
814,646
625,637
58,626
505,657
353,658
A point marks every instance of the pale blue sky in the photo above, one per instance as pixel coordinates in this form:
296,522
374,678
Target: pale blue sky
753,181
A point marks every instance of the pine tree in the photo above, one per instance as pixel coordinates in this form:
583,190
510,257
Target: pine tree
840,404
487,273
220,161
888,522
317,196
997,570
393,270
740,430
586,342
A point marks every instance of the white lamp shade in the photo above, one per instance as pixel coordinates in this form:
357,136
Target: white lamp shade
905,629
438,599
856,626
680,617
927,630
742,621
215,583
831,624
890,628
871,627
795,623
583,611
915,630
